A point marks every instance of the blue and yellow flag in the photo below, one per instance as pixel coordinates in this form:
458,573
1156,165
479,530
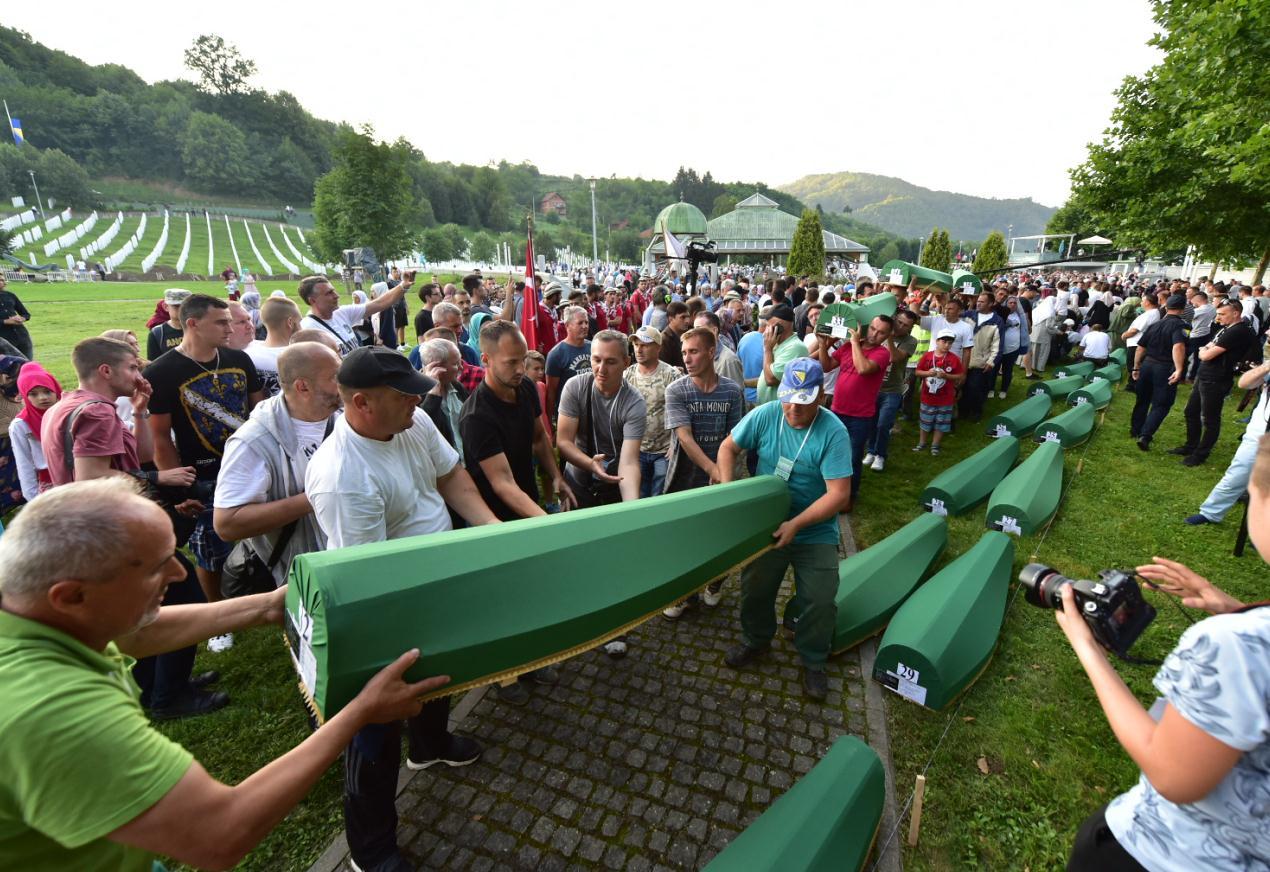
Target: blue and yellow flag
15,124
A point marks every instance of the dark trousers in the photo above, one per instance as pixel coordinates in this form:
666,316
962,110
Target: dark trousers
1203,416
371,764
165,678
1097,850
975,393
858,429
1005,370
1193,345
1155,398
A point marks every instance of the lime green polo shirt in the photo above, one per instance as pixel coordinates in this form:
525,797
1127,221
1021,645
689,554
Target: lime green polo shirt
782,355
78,757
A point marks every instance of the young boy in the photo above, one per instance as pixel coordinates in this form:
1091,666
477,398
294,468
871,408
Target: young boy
939,371
1097,345
536,372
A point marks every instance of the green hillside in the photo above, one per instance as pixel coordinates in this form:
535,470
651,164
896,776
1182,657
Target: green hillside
911,210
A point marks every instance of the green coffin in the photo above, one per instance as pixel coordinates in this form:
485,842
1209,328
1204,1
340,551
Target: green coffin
942,637
959,487
1071,427
873,582
1057,388
1120,356
1084,368
825,823
900,272
966,282
1097,392
1111,372
1021,418
836,319
1028,496
488,603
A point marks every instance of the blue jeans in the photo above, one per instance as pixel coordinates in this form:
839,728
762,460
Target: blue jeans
1233,484
652,474
858,430
880,431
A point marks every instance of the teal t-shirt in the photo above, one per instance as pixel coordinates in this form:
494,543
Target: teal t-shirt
78,757
826,455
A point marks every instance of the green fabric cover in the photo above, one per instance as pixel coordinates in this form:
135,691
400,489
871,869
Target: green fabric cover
1021,418
1098,392
942,637
1112,372
824,823
488,602
1029,495
1120,356
1057,388
926,278
853,314
961,277
1084,368
1071,427
872,583
963,485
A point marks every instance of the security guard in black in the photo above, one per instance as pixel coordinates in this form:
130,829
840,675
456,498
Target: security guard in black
1157,368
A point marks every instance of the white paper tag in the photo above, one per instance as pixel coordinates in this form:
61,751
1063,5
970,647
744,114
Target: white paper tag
1051,436
897,277
1035,391
967,287
1011,525
1080,401
838,331
906,683
937,507
1000,431
305,663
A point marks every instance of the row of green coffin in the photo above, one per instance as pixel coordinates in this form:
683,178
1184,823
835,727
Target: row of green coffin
1023,418
489,602
827,822
1021,500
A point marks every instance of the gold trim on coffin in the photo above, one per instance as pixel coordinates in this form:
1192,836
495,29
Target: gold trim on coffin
499,677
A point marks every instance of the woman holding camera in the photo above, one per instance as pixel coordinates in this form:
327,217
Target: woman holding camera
1203,801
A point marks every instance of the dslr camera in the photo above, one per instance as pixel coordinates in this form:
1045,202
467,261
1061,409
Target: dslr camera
1113,606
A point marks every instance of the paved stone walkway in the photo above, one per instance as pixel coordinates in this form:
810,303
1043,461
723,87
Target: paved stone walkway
652,762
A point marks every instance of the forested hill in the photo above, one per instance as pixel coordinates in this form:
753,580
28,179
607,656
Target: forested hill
911,210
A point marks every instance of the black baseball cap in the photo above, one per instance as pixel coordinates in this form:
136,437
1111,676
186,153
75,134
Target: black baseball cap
783,312
1176,301
378,367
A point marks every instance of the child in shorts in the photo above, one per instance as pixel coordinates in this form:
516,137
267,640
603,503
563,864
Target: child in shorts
939,372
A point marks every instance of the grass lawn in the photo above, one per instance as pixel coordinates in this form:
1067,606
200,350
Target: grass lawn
1031,717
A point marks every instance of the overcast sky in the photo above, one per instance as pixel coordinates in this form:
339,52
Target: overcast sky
996,98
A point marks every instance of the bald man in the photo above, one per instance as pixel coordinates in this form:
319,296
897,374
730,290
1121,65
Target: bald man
260,490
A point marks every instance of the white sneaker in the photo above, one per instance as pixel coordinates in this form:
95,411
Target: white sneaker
879,463
674,612
1001,394
712,598
868,459
217,644
615,649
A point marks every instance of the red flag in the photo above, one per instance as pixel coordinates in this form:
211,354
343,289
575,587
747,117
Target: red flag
529,306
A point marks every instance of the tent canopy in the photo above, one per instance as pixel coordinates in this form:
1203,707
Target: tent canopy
1095,240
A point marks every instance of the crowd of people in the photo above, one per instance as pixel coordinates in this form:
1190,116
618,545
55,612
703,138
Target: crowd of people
253,431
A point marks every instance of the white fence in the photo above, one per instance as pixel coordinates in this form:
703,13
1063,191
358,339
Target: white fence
69,238
291,267
264,264
185,249
148,261
128,248
105,239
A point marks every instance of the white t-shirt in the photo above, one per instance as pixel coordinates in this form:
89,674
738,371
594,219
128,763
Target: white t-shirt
244,476
266,360
1141,323
341,324
962,327
364,490
1097,344
1216,678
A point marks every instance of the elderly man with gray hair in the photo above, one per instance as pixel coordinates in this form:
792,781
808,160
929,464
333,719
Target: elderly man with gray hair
450,317
89,782
442,363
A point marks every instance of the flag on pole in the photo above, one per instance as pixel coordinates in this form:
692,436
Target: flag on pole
15,124
675,248
529,305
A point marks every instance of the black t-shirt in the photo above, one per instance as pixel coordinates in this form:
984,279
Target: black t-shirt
423,322
491,426
1237,339
10,305
207,403
1159,338
162,338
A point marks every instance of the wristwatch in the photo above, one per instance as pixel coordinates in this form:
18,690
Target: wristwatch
142,415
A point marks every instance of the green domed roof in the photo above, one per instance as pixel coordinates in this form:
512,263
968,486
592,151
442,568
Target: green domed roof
681,219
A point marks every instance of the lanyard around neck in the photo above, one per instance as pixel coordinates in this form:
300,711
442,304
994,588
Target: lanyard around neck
806,436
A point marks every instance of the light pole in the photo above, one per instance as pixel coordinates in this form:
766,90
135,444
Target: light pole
38,201
595,242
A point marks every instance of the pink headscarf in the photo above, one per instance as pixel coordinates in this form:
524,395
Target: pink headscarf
32,375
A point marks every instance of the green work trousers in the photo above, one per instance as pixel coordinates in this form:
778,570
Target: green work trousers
816,578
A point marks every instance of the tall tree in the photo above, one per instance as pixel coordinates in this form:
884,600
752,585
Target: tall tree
1186,160
362,201
992,257
220,67
807,251
937,253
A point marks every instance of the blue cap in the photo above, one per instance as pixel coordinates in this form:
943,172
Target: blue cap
802,382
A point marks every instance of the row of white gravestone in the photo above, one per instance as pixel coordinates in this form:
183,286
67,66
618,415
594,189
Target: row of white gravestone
70,237
185,249
238,262
309,264
290,267
13,222
128,248
105,239
265,268
31,234
149,260
57,220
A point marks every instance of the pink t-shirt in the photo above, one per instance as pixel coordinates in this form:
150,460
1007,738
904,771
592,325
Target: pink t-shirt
98,433
856,395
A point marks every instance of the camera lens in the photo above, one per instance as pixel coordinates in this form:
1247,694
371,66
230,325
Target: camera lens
1041,584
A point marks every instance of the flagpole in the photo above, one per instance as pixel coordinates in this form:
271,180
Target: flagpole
7,115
